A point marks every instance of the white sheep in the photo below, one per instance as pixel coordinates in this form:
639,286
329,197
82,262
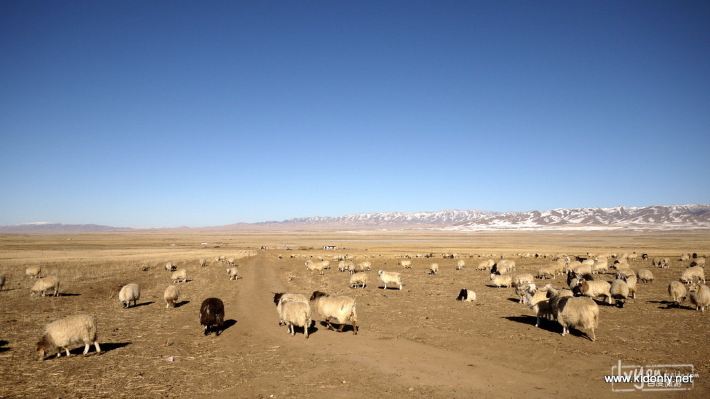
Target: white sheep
503,266
203,262
645,276
600,266
390,278
596,288
170,266
690,274
466,295
230,261
486,265
296,314
501,280
179,276
233,273
580,313
523,279
460,264
171,295
33,271
700,296
549,271
619,291
406,264
318,265
130,293
677,291
358,280
530,295
364,266
44,285
70,330
281,298
433,268
542,308
340,308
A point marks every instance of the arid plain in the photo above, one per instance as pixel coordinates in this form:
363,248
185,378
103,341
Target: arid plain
418,342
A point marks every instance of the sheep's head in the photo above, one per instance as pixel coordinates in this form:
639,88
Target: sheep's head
277,297
317,294
43,347
379,272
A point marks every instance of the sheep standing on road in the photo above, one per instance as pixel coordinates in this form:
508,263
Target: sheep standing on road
212,316
280,298
70,330
340,308
130,293
392,278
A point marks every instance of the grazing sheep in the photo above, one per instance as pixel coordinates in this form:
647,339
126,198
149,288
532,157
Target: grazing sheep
645,276
203,262
390,278
44,285
503,266
619,291
364,266
33,271
433,268
690,274
677,291
358,280
345,265
685,257
594,289
580,313
501,280
129,293
406,264
460,264
700,296
67,331
280,298
171,295
296,314
545,272
486,265
523,279
340,308
466,295
212,315
600,266
581,269
233,273
319,266
179,276
170,266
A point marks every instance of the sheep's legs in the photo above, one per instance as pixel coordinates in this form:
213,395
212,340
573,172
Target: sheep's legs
96,345
385,286
593,337
67,350
355,328
86,349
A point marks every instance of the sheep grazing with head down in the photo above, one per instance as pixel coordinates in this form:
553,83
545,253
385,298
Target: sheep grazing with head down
319,266
364,266
392,278
179,276
203,262
523,279
171,295
233,273
596,288
358,280
503,266
486,265
406,264
130,293
581,313
46,285
170,266
545,272
619,291
33,271
600,266
460,264
342,309
71,330
677,291
466,295
692,274
700,296
501,280
212,316
645,276
433,269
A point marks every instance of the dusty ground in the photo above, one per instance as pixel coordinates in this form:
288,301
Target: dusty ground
418,342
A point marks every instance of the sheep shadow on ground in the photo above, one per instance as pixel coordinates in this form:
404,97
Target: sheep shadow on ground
548,325
311,329
228,323
336,326
389,288
516,300
141,304
3,347
79,351
671,305
181,303
68,294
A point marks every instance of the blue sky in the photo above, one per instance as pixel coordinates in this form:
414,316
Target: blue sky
147,113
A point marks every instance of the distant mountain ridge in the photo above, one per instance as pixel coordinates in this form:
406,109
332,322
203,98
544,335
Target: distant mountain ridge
649,217
660,217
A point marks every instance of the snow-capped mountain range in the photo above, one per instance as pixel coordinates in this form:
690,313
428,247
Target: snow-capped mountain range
650,217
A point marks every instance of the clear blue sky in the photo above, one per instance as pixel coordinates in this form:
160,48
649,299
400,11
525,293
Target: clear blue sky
145,113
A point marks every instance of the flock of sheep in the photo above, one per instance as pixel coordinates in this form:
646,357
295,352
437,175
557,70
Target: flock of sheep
608,278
